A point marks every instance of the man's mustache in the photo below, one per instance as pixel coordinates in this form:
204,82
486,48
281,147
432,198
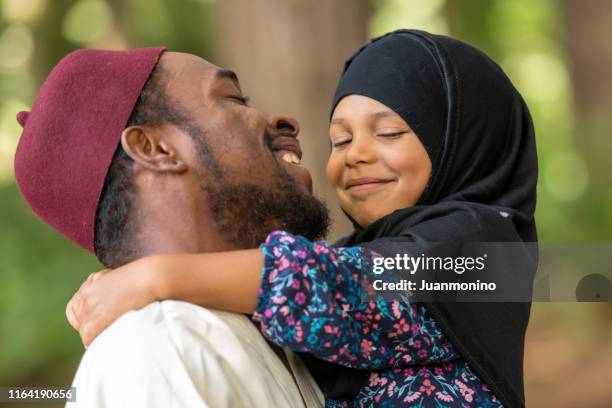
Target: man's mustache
283,141
268,139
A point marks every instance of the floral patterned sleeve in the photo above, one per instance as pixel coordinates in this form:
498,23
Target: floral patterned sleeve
312,299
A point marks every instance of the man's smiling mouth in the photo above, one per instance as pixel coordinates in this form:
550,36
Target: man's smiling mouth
289,157
287,148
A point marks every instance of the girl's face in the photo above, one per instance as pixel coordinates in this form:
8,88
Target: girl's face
377,164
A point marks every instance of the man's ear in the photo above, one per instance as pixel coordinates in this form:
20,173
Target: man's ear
148,148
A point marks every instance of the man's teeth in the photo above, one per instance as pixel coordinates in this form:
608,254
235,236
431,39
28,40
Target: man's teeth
291,158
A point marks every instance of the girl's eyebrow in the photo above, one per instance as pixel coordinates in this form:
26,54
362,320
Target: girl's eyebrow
375,115
381,114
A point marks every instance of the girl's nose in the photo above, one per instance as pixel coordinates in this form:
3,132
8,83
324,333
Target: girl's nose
359,151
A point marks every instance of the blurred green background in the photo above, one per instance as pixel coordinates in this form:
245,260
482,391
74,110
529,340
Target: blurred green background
288,54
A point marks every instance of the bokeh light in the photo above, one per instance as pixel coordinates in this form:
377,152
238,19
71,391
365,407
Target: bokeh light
16,46
542,78
566,175
9,136
157,16
25,11
87,21
417,14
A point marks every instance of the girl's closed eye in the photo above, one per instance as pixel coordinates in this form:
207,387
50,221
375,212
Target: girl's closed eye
392,134
341,142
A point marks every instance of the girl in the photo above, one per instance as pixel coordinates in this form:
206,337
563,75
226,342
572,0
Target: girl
430,143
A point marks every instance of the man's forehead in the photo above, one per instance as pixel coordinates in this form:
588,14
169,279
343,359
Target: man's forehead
178,64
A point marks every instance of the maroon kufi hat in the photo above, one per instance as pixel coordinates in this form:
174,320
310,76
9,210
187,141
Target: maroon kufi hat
70,136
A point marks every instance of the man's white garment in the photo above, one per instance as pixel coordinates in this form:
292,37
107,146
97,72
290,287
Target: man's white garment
176,354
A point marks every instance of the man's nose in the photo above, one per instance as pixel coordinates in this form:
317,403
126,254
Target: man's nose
281,125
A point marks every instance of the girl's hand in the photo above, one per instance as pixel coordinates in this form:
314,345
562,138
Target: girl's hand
223,280
108,294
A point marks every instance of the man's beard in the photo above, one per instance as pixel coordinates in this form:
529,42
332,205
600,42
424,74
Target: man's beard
245,213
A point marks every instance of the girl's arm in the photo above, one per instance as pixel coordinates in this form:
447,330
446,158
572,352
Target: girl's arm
310,299
222,280
313,299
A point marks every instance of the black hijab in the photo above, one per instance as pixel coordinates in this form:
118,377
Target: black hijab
479,136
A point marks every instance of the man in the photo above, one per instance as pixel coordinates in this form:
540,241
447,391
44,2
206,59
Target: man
140,152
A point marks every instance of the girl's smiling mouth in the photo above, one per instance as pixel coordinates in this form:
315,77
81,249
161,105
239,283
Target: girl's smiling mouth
366,184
